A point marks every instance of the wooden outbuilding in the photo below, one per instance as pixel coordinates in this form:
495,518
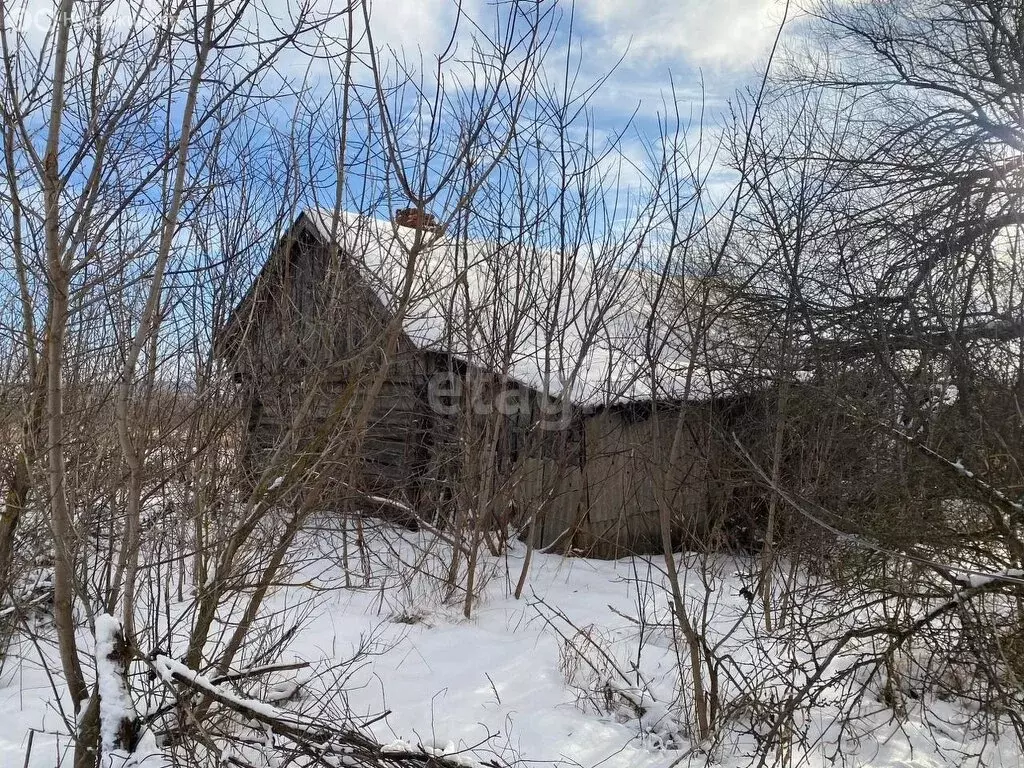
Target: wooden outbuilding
490,380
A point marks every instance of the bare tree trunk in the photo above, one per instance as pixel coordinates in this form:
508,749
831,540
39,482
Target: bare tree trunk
36,394
133,449
64,536
768,552
694,642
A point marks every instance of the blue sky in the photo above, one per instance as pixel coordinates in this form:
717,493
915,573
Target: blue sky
722,42
705,49
708,49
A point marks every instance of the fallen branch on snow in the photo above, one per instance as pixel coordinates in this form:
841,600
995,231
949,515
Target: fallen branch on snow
313,737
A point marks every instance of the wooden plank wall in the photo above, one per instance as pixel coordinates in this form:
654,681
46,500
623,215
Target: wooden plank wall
609,506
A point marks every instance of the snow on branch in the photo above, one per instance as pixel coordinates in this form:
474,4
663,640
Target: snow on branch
119,722
993,494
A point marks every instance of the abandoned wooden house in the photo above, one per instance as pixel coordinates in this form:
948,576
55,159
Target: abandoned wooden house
449,376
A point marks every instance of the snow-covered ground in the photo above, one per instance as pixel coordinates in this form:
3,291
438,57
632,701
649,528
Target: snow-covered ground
508,683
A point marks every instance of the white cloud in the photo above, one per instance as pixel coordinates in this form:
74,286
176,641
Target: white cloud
728,34
412,24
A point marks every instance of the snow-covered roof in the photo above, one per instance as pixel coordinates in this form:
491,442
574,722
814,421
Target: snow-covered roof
581,326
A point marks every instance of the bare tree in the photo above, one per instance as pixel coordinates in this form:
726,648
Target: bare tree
882,259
